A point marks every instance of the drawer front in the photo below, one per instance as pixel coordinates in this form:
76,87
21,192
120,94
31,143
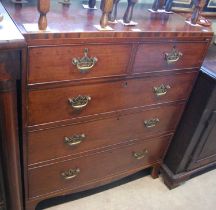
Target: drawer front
81,171
48,64
73,139
158,57
74,102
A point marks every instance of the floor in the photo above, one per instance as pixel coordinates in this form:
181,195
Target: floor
147,194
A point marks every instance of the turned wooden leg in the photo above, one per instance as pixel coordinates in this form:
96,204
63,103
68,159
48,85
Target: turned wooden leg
113,14
156,5
129,11
168,5
106,7
155,171
43,8
199,4
92,3
195,15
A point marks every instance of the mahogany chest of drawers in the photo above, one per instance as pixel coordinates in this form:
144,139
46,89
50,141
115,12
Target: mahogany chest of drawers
100,105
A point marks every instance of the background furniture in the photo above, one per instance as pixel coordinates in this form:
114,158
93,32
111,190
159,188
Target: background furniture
193,148
100,105
11,45
2,193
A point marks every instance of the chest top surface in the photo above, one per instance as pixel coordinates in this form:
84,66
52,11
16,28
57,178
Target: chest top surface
76,22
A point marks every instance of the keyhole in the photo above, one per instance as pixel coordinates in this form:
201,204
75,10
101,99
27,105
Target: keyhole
125,84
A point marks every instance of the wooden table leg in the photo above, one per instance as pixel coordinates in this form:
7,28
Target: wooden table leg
129,11
155,171
168,5
113,13
92,3
43,8
106,7
156,5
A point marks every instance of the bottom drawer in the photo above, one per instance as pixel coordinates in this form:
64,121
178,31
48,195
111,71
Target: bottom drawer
78,172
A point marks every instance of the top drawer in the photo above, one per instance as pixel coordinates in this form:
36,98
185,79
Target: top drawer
47,64
167,56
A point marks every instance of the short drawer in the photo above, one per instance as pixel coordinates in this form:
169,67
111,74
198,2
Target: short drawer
83,137
89,99
166,56
47,64
79,172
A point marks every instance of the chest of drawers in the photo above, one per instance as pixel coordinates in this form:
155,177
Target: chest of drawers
98,106
84,133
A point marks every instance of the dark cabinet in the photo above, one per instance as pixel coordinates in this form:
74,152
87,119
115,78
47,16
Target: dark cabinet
206,152
193,148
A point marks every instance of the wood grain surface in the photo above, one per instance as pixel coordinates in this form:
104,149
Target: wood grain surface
121,86
48,179
76,22
58,62
52,104
151,57
100,134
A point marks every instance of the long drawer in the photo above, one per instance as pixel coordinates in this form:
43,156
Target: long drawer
84,100
48,64
78,138
76,173
165,56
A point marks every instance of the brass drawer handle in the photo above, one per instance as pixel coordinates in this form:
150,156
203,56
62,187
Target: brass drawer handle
70,174
79,102
84,64
151,123
74,140
173,56
161,90
140,155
